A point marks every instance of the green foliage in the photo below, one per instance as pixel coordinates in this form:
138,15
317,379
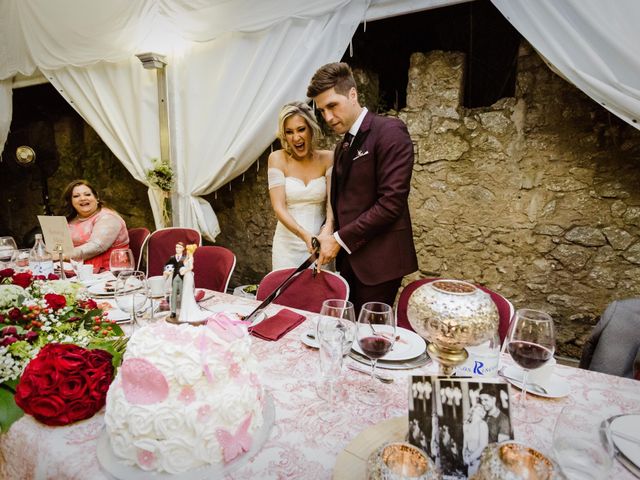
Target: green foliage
161,175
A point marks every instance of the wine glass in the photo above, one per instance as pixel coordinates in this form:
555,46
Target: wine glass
531,343
131,293
376,335
330,340
344,316
121,259
8,248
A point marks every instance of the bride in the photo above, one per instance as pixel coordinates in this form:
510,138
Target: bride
189,310
299,178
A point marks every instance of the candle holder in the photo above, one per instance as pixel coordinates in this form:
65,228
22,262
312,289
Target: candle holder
452,315
401,461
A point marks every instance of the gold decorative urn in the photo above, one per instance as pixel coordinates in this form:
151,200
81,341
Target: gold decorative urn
452,315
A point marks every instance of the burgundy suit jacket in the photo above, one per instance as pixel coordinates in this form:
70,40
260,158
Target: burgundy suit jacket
369,192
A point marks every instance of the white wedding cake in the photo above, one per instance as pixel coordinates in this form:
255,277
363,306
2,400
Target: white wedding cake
185,396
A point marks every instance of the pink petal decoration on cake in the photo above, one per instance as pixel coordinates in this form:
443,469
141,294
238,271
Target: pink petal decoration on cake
234,445
146,458
143,383
173,334
187,395
204,412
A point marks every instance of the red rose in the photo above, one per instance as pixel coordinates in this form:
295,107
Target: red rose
11,330
6,273
31,336
50,409
55,301
6,341
73,387
22,279
65,383
53,276
15,314
89,304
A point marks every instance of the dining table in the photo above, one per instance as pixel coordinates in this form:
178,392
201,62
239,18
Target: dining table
300,444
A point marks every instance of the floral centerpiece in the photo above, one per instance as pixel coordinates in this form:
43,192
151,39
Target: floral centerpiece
160,178
50,316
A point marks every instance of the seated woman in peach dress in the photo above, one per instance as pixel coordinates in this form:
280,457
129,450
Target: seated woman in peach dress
95,229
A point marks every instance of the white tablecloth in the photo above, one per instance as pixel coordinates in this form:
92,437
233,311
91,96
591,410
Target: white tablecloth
300,445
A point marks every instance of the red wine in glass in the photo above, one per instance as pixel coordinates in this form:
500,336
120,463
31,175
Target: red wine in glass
529,355
375,346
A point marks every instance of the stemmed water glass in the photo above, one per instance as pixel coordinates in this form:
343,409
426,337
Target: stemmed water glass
8,248
531,343
376,335
344,316
121,259
131,293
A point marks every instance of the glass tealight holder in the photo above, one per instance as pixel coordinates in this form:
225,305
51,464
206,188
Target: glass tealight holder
401,461
515,461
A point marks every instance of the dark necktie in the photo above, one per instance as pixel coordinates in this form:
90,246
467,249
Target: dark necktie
342,156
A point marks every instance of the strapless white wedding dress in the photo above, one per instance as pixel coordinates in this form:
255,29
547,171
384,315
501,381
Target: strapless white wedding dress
307,204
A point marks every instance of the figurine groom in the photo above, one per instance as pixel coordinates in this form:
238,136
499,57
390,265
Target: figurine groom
175,266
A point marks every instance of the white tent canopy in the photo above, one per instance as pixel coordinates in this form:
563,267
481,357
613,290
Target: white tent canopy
232,64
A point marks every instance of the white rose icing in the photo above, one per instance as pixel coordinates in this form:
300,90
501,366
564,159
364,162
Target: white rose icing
212,386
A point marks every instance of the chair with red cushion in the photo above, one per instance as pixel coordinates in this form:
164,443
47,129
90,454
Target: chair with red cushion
161,245
505,308
213,267
304,292
137,238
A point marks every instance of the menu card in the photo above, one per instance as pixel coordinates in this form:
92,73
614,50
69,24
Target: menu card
453,419
56,232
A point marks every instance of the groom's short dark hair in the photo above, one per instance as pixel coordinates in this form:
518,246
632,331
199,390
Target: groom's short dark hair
336,75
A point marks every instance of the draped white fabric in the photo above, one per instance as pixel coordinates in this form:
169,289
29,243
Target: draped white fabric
231,66
6,111
591,43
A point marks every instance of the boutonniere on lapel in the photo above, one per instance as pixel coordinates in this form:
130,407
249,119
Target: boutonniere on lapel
360,154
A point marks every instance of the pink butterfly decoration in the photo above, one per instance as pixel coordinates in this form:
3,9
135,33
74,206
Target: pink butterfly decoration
234,445
143,383
226,328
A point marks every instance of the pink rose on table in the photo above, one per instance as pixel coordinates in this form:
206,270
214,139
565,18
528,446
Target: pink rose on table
65,383
55,301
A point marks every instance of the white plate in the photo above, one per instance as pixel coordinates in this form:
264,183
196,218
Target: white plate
99,289
408,346
120,470
118,315
556,386
628,425
240,310
307,340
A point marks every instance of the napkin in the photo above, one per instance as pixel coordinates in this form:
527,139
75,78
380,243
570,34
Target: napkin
277,326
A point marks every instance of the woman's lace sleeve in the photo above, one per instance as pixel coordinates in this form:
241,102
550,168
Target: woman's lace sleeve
275,177
105,231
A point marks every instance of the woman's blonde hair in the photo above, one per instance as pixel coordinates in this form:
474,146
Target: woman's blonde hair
191,248
304,110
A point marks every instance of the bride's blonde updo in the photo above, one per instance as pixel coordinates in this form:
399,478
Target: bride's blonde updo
304,110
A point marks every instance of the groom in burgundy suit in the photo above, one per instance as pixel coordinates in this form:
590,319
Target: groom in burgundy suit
373,240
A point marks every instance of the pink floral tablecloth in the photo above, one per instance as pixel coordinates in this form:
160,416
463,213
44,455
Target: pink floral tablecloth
300,445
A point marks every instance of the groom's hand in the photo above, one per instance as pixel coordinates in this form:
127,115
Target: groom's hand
329,248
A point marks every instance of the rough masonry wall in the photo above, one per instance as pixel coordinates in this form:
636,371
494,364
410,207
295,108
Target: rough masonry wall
536,197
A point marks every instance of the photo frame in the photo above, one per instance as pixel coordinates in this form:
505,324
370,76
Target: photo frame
453,419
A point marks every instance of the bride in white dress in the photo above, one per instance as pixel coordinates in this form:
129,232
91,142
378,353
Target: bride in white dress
299,184
190,311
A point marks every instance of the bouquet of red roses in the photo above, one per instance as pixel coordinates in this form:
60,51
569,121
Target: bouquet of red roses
65,383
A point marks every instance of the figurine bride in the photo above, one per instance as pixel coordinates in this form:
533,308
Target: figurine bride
190,312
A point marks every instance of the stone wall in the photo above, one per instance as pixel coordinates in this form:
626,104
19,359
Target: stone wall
536,197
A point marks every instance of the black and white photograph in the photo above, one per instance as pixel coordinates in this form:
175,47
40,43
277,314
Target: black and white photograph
453,420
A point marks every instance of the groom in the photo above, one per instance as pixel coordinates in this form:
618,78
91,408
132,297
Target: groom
373,241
